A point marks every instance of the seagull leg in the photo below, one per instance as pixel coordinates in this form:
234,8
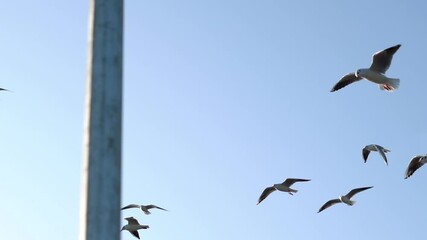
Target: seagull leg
387,87
291,193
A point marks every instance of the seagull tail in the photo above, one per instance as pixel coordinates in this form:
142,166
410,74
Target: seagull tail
351,203
391,84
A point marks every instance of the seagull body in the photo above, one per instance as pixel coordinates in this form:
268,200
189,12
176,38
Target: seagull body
375,73
284,187
133,226
415,163
144,208
374,147
344,199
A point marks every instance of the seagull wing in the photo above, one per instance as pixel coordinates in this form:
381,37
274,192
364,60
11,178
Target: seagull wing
265,193
132,221
328,204
365,153
154,206
131,206
345,80
355,191
382,151
289,181
135,233
381,60
415,163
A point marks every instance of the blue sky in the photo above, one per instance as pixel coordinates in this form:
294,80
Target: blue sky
221,99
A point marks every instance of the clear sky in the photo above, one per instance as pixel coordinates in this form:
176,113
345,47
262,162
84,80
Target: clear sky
221,100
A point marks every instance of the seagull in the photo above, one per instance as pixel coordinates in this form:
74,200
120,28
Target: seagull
344,199
375,73
415,163
144,208
374,147
284,187
133,226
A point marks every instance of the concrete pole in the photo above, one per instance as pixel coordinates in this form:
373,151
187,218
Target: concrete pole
101,173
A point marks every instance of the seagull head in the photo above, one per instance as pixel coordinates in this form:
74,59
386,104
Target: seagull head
361,73
357,73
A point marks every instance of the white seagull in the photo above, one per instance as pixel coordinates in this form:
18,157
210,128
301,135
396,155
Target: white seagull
144,208
415,163
375,73
133,226
284,187
344,199
374,147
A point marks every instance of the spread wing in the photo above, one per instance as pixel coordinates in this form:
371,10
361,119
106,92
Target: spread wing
265,193
154,206
132,221
415,163
355,191
365,153
381,60
345,80
289,181
131,206
328,204
382,151
135,233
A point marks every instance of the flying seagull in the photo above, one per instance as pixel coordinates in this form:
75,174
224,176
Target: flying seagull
415,163
284,187
374,147
375,73
144,208
344,199
133,226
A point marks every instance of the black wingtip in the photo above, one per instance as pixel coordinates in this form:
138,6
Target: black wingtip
338,86
397,46
393,50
